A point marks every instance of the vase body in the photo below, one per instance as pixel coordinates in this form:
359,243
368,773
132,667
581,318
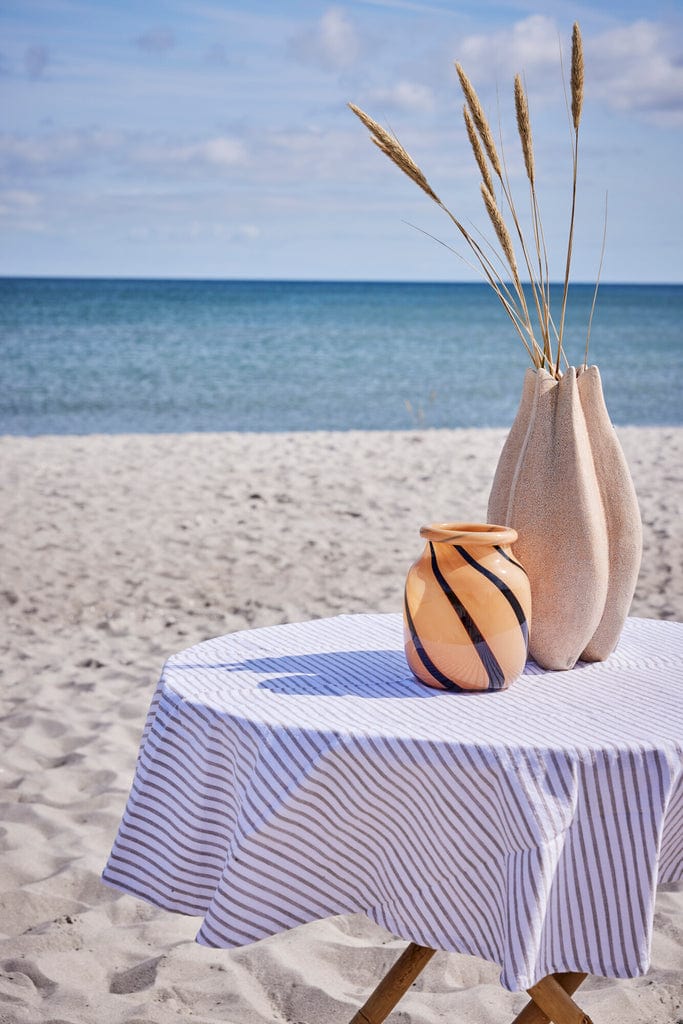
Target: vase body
563,483
467,609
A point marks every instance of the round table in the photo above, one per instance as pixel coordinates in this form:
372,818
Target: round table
293,772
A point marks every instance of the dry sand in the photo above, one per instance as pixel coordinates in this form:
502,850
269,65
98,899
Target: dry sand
117,551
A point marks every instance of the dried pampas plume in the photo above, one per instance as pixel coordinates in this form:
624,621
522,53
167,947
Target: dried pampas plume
477,150
479,118
524,127
577,75
395,151
502,232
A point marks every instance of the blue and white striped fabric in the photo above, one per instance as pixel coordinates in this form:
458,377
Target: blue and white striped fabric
298,771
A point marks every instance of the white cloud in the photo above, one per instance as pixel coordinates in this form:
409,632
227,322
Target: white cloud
333,44
248,232
221,151
639,67
18,201
54,152
22,210
529,45
404,95
288,157
631,67
77,152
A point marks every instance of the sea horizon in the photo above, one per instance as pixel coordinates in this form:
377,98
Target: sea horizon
558,283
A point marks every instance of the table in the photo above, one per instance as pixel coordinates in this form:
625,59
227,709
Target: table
293,772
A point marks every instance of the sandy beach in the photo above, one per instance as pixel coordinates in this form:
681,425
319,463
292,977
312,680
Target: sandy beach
117,551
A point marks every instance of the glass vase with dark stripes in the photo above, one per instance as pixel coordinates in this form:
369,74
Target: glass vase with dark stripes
467,608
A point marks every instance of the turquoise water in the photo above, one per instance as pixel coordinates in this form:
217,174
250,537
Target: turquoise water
112,356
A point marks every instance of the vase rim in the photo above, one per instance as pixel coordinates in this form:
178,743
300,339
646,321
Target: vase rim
468,533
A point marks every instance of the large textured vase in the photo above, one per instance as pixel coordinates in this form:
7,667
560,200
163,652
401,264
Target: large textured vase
467,608
563,483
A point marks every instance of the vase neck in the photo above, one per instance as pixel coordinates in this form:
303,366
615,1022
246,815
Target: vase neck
469,534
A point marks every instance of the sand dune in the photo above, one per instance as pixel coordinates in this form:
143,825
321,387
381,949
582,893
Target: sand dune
116,551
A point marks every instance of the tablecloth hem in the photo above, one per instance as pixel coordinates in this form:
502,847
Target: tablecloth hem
519,983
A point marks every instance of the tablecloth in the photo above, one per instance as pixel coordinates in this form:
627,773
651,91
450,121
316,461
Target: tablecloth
293,772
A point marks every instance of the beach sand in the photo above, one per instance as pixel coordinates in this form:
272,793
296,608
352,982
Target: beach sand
117,551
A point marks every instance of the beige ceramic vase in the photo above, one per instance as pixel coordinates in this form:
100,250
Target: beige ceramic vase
563,483
467,608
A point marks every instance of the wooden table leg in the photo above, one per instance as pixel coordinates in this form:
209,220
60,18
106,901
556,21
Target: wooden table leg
532,1012
551,1001
395,982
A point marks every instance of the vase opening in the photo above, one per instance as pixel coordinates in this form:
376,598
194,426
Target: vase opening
468,533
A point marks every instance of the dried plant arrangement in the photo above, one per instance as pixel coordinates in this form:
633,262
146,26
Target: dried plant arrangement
541,335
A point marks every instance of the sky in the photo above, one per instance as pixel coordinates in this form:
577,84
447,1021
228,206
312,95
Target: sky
212,140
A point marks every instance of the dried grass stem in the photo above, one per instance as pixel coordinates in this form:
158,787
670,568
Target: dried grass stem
491,263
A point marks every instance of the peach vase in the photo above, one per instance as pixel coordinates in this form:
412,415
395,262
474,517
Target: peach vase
564,484
467,608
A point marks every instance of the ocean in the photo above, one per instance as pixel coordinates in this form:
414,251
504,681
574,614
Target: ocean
122,356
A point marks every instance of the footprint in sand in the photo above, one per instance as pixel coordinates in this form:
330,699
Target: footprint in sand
136,978
44,986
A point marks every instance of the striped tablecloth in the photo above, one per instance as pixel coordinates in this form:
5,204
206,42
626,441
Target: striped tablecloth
293,772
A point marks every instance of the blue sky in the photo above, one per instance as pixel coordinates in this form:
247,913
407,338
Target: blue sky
208,139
